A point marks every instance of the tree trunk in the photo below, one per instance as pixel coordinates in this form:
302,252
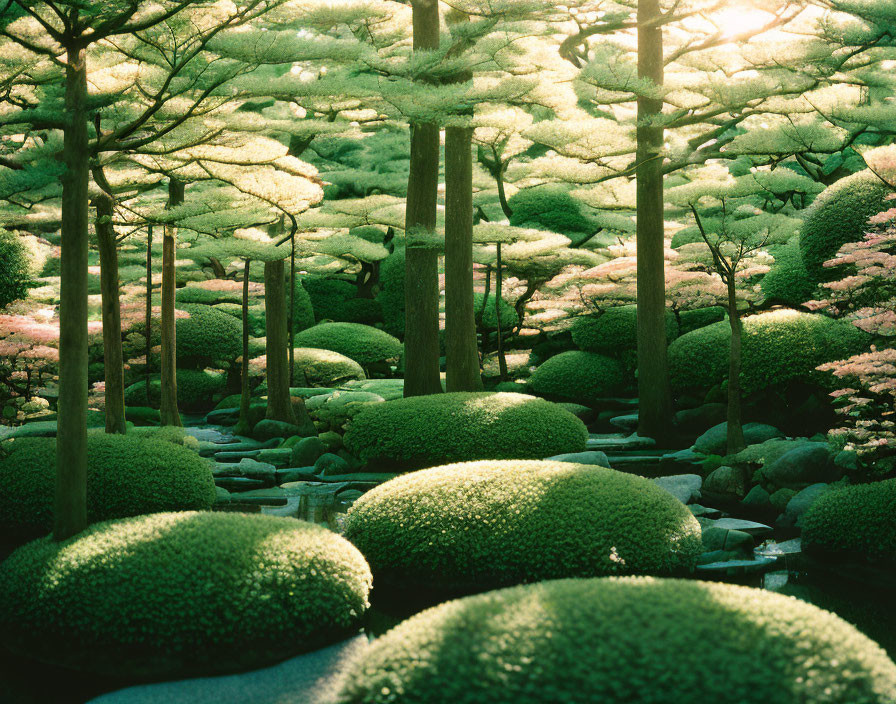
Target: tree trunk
169,412
502,360
462,352
291,322
111,304
70,514
217,267
148,310
735,435
421,341
499,178
654,391
242,427
279,401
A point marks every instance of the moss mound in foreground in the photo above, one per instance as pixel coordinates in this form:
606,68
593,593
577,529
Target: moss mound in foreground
478,525
182,593
582,377
621,641
126,476
425,431
362,343
858,521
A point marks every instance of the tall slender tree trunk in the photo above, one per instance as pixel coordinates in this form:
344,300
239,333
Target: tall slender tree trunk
279,401
421,341
169,412
70,514
502,360
501,167
242,426
113,357
291,326
654,391
461,351
147,314
735,434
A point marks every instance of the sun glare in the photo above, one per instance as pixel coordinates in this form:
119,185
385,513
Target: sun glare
739,19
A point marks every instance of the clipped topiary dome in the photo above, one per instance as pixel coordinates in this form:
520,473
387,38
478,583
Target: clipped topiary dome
788,282
479,525
623,641
208,334
172,594
550,207
15,268
195,389
424,431
126,476
362,343
582,377
615,331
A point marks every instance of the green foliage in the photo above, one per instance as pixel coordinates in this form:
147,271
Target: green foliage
391,295
689,320
425,431
303,315
858,521
337,300
615,331
840,215
126,476
174,594
15,268
316,367
787,282
208,334
778,347
549,207
509,317
583,377
195,390
480,525
202,295
623,639
362,343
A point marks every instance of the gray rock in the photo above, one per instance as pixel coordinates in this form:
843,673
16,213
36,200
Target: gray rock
716,538
703,511
757,498
799,504
306,451
751,527
715,440
618,441
278,456
727,482
330,464
733,567
807,464
684,487
237,484
296,474
256,470
590,457
628,423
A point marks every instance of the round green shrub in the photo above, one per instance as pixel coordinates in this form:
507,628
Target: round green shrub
787,282
391,295
195,390
690,320
303,315
126,476
615,331
173,594
857,520
550,207
316,367
15,268
203,295
778,346
208,334
578,376
839,215
362,343
424,431
369,233
479,525
619,640
486,308
337,300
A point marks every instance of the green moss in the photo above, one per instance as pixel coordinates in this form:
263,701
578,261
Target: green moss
615,331
486,308
337,300
201,294
480,525
208,334
362,343
15,268
689,320
778,347
622,640
195,390
578,376
858,520
550,207
315,367
391,295
424,431
788,282
126,476
173,594
840,215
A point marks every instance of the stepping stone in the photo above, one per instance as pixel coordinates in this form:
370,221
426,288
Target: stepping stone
704,512
751,527
684,487
618,441
289,510
595,457
628,423
733,567
210,434
239,484
296,474
279,456
266,497
788,547
234,457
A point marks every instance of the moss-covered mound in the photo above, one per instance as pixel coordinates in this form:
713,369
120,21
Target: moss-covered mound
208,334
582,377
550,207
316,368
620,641
210,292
424,431
337,300
362,343
391,295
478,525
778,347
484,309
840,215
195,390
15,268
788,282
182,593
615,331
859,521
126,476
689,320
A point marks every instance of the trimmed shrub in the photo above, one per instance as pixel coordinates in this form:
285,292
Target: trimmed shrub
578,376
550,207
424,431
337,300
618,640
303,316
126,476
857,520
615,331
195,390
362,343
778,346
690,320
391,295
479,525
509,317
205,295
316,368
788,282
839,215
173,594
208,334
15,268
